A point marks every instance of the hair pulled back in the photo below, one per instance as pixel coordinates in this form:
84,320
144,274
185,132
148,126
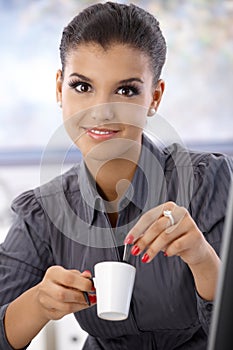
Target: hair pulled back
110,23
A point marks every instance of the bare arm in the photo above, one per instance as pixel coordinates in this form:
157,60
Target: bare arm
206,273
23,319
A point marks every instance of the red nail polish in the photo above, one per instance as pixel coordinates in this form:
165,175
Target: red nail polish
145,258
135,250
165,254
87,271
92,298
129,239
93,288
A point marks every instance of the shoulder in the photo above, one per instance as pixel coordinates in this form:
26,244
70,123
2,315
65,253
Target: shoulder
65,183
201,180
210,177
34,200
175,156
180,162
179,156
198,169
209,174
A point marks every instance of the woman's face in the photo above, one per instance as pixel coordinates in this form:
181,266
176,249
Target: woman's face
106,96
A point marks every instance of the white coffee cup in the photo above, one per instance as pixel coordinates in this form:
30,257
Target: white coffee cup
114,282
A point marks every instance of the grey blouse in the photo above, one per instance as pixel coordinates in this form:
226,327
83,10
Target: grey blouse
64,223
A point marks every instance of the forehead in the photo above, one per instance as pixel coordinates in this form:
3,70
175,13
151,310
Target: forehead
117,59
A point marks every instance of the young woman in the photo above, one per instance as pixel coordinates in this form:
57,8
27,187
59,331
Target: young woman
168,203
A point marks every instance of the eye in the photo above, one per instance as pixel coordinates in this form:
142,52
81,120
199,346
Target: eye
80,86
128,91
83,87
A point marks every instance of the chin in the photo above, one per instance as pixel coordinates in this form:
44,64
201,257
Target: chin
113,149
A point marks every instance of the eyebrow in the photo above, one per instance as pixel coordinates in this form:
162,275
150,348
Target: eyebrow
80,76
124,81
130,80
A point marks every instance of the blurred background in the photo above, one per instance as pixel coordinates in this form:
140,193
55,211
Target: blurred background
197,102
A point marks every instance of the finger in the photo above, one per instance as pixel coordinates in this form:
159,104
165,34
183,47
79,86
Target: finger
190,247
184,236
86,274
178,246
180,216
70,279
161,243
145,222
66,295
58,309
156,228
58,300
150,235
73,296
169,235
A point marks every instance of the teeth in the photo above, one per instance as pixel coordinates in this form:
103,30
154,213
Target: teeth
98,132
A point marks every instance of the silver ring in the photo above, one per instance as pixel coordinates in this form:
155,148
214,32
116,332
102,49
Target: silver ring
168,214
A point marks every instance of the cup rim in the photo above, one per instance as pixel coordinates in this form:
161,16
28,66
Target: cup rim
112,262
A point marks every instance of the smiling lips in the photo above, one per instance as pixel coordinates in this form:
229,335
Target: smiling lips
101,134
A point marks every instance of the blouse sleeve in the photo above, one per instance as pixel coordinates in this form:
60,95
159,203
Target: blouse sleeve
213,176
25,254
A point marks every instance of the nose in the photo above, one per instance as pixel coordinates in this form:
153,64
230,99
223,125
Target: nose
102,112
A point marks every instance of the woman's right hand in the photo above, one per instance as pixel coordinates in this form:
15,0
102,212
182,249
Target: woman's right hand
61,292
58,294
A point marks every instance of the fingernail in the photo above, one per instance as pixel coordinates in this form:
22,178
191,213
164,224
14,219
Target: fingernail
165,254
92,299
145,258
129,239
135,250
87,271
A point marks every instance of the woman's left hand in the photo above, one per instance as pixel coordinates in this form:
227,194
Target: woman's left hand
155,232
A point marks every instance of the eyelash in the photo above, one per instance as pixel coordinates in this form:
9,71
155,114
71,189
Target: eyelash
75,83
134,89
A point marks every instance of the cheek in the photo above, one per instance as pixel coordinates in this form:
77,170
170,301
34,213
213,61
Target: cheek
134,133
70,102
74,117
71,125
131,114
83,145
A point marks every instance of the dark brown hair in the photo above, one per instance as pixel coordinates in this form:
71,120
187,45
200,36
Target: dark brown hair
110,23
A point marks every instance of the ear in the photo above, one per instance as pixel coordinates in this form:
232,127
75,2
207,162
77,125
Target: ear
157,96
59,81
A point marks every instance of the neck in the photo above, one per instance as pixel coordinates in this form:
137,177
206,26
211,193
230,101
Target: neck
113,177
